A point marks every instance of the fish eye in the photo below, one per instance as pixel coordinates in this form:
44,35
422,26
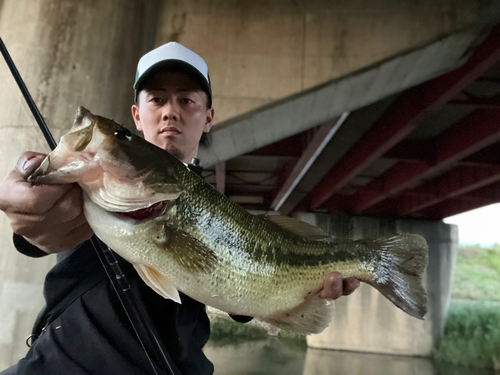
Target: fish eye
123,133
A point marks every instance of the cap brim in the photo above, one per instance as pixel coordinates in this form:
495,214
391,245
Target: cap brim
172,64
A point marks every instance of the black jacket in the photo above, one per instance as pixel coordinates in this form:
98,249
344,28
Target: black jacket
84,329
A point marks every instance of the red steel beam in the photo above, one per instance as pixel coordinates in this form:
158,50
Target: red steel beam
474,132
484,103
489,155
388,184
458,181
320,139
338,204
401,118
408,150
480,198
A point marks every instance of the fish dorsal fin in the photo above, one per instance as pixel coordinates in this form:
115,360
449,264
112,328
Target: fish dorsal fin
312,316
304,230
159,283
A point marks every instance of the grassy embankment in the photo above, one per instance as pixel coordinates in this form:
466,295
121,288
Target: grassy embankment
472,332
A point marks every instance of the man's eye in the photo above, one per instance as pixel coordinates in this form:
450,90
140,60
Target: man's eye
186,101
156,100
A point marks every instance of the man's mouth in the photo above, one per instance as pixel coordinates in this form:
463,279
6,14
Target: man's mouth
170,130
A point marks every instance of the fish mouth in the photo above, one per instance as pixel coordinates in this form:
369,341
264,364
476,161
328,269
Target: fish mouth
145,214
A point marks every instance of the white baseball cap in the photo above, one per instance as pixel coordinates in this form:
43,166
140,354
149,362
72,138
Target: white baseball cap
173,55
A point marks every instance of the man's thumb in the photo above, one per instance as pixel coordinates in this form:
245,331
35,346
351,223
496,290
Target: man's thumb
28,162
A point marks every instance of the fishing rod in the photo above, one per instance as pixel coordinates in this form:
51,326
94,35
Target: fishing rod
104,253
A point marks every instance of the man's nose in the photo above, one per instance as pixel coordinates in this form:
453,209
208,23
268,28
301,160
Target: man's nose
171,111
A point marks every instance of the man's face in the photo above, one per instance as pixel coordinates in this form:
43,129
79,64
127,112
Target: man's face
172,113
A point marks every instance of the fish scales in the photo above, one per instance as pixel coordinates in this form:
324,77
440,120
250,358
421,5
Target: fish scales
271,257
201,243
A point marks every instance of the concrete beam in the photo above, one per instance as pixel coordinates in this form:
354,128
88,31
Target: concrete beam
322,103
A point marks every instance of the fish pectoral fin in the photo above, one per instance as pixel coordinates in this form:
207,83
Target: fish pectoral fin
159,283
301,229
312,316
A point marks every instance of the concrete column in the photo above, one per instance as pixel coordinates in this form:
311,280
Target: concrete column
70,53
366,321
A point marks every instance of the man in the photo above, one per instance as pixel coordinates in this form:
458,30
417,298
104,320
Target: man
83,328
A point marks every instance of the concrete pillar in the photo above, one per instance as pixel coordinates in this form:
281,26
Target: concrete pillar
366,321
70,53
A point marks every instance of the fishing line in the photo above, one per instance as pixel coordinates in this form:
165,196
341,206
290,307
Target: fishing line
104,253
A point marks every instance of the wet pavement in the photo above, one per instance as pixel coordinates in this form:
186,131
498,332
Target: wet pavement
279,357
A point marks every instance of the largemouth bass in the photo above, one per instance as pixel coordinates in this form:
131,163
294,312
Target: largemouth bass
181,234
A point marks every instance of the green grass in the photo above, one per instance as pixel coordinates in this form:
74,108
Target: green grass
225,331
472,335
472,332
477,273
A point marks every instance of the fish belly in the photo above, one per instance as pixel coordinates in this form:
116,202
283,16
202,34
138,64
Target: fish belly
229,284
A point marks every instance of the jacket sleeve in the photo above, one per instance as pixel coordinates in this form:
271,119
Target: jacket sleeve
24,247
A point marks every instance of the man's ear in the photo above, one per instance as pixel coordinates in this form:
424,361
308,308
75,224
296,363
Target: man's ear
210,120
136,117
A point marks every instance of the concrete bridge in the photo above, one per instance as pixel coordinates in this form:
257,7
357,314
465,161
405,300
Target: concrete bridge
350,115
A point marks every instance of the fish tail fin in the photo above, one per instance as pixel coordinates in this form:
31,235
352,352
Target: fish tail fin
402,262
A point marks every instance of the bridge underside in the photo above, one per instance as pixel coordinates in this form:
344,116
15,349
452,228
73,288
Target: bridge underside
426,152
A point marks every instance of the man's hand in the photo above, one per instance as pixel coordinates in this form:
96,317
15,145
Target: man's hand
336,286
48,216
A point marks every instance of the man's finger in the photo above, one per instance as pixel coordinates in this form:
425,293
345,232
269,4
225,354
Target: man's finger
350,285
36,199
68,207
332,287
28,162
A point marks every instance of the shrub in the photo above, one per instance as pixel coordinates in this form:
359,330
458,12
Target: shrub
472,335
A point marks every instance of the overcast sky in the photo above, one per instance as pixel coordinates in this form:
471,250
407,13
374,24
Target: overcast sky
481,226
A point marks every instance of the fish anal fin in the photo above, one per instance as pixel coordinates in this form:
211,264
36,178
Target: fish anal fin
297,227
312,316
159,283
